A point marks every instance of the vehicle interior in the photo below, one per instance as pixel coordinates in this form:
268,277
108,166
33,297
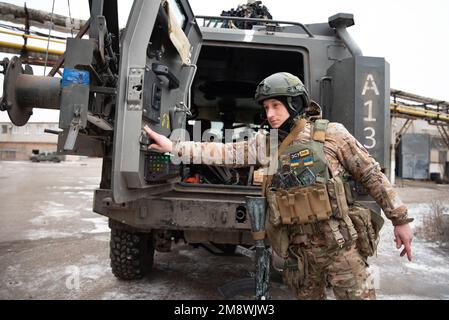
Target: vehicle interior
223,98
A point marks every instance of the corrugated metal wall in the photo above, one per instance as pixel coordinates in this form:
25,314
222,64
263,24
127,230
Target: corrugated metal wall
414,156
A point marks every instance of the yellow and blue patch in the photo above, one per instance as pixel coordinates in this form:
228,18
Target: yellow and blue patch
308,161
301,158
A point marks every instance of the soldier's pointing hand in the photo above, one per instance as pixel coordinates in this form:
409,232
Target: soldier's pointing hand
403,236
161,143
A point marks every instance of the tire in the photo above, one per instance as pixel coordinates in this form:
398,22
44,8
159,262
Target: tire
131,252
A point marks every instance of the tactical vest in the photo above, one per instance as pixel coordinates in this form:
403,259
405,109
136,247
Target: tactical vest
304,197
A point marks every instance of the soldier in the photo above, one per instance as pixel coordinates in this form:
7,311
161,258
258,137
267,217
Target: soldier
314,224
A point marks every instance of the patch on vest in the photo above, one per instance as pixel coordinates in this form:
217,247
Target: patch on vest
308,161
295,159
304,153
301,158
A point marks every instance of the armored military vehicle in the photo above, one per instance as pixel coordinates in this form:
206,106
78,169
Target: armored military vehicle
169,69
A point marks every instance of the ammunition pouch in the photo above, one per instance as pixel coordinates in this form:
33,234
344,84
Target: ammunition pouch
295,268
338,197
368,224
301,205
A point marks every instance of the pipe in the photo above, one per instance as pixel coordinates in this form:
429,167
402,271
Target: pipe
31,57
38,18
416,98
38,92
30,48
340,22
22,92
31,36
411,111
349,42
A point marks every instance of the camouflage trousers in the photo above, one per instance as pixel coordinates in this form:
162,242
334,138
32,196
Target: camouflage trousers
343,269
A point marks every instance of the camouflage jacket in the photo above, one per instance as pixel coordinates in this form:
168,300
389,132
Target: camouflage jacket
344,155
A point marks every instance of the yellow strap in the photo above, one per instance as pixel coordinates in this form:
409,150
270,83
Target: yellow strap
299,126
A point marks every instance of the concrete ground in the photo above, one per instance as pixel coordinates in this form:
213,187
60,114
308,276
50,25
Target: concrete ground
52,246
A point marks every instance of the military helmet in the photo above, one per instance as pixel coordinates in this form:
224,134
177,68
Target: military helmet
282,84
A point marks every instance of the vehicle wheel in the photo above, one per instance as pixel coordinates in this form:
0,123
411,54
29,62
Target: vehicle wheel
131,252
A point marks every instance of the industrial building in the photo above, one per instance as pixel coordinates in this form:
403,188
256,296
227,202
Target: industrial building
19,143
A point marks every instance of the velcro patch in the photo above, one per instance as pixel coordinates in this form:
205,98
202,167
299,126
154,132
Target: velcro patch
295,164
294,156
304,153
308,161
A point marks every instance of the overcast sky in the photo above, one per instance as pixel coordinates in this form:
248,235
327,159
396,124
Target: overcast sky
413,35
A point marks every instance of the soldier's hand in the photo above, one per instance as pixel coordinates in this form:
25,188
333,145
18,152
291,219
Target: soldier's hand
403,235
161,143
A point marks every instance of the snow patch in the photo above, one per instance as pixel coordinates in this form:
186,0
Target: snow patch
53,211
36,234
100,224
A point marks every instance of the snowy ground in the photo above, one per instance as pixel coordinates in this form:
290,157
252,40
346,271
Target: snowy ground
427,276
52,246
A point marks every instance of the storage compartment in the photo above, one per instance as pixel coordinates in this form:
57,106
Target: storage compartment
223,98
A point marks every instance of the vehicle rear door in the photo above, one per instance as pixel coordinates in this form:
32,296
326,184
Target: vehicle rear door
159,49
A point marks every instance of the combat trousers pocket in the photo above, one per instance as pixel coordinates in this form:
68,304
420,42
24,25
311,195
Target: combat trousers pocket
279,239
294,273
368,236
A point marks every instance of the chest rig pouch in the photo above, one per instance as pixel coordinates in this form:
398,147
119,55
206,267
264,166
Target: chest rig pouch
304,200
299,193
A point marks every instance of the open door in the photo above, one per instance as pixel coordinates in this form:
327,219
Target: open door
159,49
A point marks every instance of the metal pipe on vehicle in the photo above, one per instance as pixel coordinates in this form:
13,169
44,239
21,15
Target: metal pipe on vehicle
38,92
22,91
349,42
340,22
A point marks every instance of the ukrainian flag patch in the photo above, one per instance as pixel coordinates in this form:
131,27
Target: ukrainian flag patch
308,161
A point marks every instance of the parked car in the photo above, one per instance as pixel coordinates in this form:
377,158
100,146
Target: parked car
47,156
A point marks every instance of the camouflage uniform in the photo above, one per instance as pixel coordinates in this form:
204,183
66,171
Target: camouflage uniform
323,261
